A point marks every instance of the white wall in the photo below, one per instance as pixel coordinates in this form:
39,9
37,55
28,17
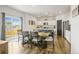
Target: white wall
74,33
64,17
11,11
26,26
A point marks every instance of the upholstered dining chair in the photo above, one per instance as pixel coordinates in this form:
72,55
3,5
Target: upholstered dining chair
25,37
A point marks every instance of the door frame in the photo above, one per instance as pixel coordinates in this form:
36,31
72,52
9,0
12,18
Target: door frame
61,27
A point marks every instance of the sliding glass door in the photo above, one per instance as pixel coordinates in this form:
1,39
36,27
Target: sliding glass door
12,25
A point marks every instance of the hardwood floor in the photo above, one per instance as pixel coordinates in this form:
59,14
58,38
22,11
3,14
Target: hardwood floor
61,46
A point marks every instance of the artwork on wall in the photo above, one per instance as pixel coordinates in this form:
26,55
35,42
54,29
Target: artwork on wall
75,12
31,22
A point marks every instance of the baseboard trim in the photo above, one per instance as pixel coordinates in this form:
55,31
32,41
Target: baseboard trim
67,41
69,44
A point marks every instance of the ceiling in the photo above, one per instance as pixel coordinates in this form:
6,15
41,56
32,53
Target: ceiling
42,10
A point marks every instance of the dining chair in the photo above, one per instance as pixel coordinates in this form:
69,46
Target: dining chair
34,36
42,44
25,37
19,33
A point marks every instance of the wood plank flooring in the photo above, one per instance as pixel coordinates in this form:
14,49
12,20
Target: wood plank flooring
61,46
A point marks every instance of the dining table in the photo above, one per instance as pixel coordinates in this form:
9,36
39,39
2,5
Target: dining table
45,37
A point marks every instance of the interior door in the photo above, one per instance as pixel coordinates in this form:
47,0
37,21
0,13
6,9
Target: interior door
59,27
